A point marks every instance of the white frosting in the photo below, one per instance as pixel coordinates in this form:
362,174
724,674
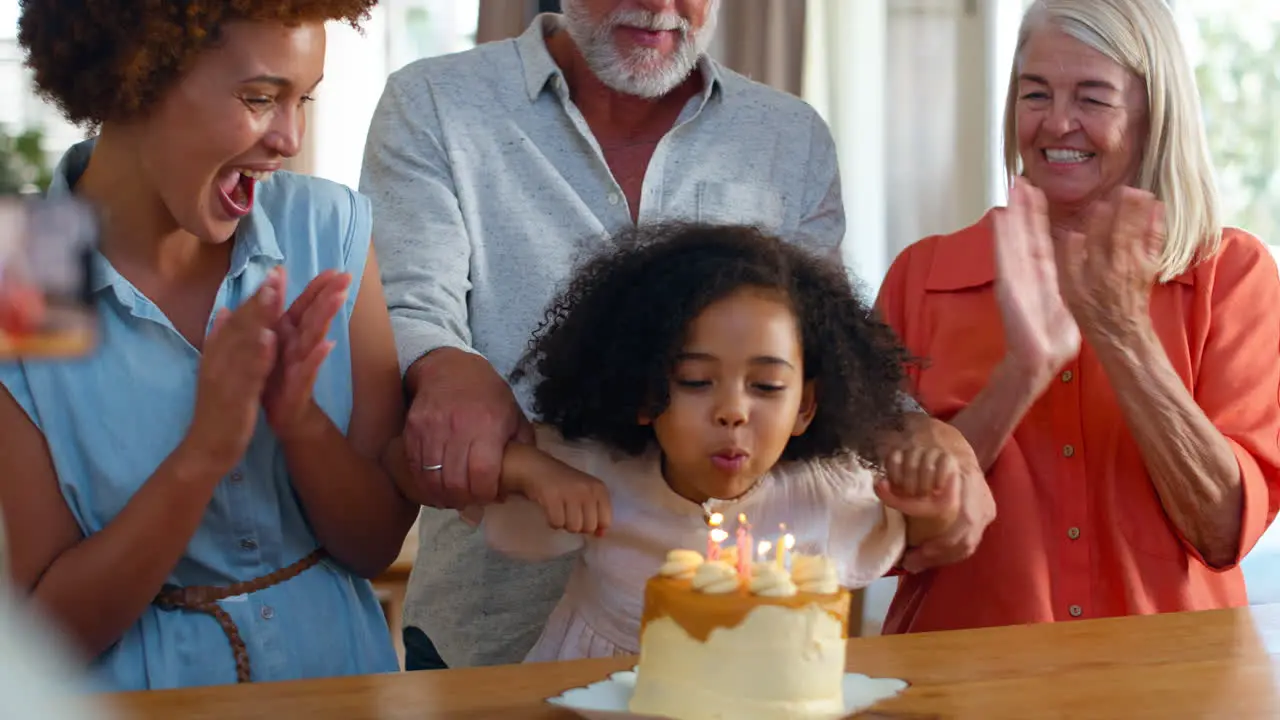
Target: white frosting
778,664
681,564
729,556
814,574
769,580
715,577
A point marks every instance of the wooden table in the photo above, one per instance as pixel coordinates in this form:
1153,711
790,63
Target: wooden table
1191,665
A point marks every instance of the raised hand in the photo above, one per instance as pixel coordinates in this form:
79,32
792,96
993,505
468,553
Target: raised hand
1107,272
237,357
302,349
1040,334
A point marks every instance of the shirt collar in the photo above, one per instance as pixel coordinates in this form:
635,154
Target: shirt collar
540,68
255,237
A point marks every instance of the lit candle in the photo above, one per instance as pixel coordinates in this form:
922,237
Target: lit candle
762,551
744,546
716,536
785,544
780,558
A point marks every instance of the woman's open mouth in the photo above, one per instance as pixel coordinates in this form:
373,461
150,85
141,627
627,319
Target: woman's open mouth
236,190
1066,156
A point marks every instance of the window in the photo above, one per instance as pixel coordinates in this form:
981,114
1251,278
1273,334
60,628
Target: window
1234,46
357,65
423,28
23,110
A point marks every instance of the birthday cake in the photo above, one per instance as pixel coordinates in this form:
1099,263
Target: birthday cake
728,639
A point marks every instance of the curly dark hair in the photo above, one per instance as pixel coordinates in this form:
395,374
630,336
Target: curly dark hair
110,60
606,348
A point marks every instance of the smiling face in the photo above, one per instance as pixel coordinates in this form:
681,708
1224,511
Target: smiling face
228,123
1081,118
645,48
738,395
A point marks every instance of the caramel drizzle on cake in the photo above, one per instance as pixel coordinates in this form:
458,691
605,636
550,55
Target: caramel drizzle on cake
682,592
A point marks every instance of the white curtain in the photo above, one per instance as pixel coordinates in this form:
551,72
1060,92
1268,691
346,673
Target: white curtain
764,40
844,79
913,91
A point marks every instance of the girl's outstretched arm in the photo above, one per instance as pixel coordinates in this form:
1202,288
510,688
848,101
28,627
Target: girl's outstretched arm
547,505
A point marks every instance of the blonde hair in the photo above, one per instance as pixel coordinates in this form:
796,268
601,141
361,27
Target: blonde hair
1142,36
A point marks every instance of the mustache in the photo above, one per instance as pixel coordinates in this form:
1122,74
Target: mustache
646,20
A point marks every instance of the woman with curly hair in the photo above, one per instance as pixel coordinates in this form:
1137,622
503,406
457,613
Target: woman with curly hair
693,369
200,501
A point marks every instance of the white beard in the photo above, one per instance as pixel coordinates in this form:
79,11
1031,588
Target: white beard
644,72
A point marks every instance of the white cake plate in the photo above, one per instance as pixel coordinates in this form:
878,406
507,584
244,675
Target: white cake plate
608,699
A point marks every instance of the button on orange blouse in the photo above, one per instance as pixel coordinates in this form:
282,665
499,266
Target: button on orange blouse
1080,532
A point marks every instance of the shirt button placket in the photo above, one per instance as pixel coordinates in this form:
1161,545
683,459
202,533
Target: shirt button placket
1069,409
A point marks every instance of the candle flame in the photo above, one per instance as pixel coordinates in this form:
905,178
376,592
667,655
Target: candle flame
788,541
764,547
715,520
742,518
719,535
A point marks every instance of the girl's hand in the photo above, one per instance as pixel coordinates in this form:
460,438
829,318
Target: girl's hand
921,482
237,357
302,349
573,500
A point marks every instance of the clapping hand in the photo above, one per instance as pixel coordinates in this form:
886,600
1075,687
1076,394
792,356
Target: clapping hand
235,360
302,349
1040,333
1106,273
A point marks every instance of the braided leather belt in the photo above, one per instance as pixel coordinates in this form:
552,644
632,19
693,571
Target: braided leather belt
204,598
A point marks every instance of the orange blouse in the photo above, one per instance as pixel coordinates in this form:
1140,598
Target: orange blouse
1080,531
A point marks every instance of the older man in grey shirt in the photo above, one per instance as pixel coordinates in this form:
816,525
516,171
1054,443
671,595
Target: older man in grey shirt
491,173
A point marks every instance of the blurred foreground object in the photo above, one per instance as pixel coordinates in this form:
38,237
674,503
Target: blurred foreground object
38,680
46,267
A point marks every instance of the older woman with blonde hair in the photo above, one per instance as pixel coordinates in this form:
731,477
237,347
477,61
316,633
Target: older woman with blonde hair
1111,352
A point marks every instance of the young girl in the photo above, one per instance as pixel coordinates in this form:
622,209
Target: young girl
692,370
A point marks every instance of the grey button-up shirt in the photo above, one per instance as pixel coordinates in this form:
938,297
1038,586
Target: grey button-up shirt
487,187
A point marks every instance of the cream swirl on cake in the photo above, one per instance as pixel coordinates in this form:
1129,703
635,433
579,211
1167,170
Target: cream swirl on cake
769,580
681,564
715,577
814,574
